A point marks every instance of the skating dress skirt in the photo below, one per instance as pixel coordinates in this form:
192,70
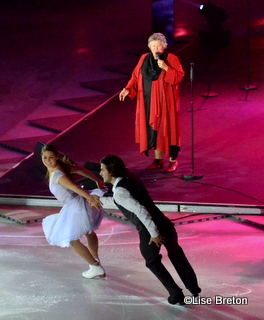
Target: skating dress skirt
75,219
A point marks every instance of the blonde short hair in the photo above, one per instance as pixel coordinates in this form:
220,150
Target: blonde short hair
158,36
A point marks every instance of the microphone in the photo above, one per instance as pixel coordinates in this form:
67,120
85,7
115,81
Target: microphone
191,70
157,55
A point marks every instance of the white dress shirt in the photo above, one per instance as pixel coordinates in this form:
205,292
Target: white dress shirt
123,197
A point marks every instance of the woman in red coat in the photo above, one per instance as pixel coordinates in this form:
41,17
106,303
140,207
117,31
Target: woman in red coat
155,81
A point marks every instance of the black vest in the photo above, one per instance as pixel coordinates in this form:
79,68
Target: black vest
140,193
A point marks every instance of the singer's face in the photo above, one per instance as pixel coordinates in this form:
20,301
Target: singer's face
156,46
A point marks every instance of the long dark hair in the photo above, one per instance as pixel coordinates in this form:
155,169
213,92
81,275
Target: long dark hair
64,162
115,166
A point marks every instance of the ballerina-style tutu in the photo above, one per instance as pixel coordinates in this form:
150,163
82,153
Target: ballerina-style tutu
75,219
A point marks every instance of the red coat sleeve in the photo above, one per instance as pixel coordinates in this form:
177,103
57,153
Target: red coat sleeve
134,83
175,72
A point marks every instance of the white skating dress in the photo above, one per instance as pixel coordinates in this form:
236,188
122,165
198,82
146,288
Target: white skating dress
75,219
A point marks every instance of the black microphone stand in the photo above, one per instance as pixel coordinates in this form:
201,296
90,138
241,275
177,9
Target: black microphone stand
209,94
192,176
248,87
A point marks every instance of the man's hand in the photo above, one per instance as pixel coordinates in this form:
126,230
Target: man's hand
158,241
94,202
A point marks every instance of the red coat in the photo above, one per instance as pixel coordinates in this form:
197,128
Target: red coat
164,105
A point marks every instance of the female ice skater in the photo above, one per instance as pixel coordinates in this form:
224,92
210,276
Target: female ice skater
81,212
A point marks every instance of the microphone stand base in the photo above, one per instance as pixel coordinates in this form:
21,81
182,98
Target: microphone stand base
192,177
249,88
209,95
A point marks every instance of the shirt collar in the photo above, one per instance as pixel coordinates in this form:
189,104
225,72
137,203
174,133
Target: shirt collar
116,182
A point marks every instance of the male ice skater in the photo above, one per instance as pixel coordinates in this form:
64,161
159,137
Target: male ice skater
154,228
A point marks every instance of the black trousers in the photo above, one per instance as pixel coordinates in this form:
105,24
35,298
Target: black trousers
152,256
